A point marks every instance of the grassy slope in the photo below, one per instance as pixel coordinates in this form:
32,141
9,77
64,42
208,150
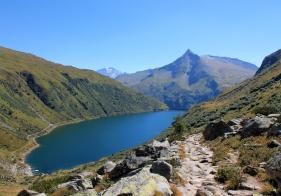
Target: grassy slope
35,93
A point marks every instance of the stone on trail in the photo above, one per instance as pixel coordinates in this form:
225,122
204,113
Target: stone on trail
143,183
216,129
162,168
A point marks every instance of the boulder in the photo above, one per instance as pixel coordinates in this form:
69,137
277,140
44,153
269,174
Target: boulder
133,162
153,150
248,186
275,130
119,170
162,168
77,184
106,168
160,145
257,126
95,180
273,144
26,192
277,117
216,129
142,183
145,150
273,168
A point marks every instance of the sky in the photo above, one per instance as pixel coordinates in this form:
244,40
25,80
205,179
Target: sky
133,35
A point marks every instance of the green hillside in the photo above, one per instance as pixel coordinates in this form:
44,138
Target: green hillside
36,93
190,79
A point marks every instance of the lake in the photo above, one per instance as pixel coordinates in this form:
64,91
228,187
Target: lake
74,144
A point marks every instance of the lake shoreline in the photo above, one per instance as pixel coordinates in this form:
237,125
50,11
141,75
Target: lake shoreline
33,144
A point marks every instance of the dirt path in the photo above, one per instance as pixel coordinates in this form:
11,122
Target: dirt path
196,169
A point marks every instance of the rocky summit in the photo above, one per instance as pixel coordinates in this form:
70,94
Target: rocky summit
190,79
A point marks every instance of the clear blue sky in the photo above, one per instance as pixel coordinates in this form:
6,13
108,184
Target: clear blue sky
133,35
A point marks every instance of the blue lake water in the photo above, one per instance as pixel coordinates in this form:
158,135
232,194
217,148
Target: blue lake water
71,145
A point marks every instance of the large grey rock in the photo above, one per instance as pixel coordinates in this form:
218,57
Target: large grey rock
273,168
26,192
216,129
106,168
77,184
145,150
257,126
275,130
162,168
119,170
154,150
130,163
142,183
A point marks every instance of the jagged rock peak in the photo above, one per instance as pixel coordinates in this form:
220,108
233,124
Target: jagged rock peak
269,61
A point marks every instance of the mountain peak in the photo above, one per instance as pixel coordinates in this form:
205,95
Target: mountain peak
188,53
110,72
269,61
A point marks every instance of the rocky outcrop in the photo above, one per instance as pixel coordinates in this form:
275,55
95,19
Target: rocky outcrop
142,183
106,168
77,183
269,61
275,130
257,126
162,168
216,129
273,167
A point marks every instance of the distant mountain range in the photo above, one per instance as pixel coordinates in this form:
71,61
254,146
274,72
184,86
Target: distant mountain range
190,79
110,72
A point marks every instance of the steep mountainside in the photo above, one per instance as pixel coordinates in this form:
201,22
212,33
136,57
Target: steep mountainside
190,79
35,93
260,94
242,127
110,72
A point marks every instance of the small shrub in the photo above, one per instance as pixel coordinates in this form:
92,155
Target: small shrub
231,175
253,155
265,110
48,185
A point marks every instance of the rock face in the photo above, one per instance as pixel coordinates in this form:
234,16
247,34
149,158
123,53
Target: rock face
216,129
269,61
162,168
257,126
142,183
273,167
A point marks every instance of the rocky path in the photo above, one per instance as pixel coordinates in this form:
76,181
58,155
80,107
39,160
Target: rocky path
196,169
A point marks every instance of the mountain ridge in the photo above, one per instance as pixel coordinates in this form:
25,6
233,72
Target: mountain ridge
190,79
110,72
